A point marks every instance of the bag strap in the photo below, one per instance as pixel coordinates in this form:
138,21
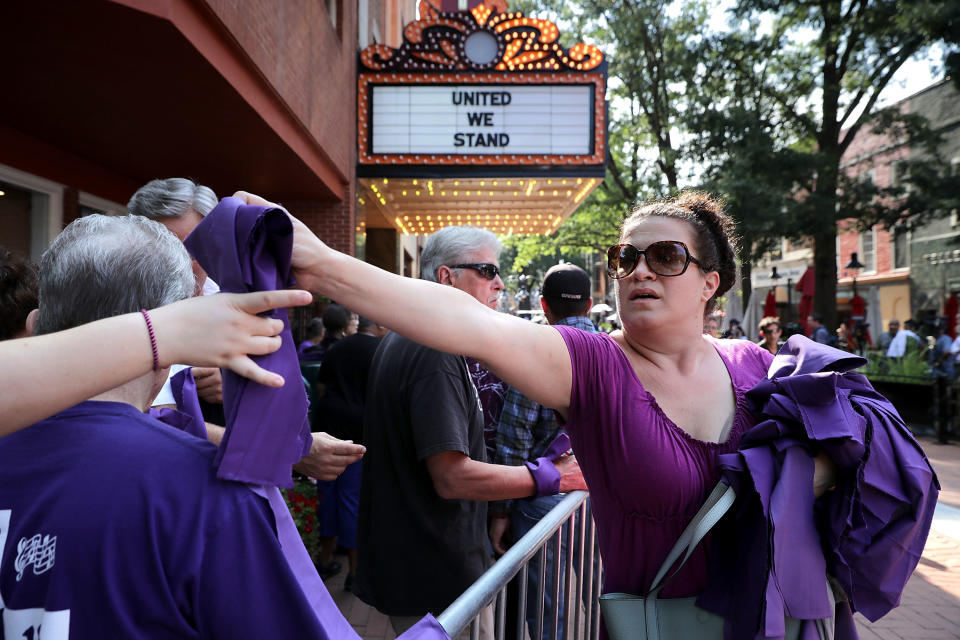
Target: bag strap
716,505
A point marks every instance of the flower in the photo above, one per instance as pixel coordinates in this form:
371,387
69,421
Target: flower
302,502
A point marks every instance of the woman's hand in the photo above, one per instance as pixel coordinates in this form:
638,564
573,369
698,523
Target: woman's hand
307,247
223,330
824,474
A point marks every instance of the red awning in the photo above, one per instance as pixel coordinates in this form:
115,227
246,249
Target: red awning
770,304
950,311
858,307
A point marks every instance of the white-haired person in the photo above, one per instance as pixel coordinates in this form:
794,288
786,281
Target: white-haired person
180,204
113,524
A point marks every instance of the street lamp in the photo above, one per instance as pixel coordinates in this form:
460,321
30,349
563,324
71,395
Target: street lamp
855,266
858,306
776,276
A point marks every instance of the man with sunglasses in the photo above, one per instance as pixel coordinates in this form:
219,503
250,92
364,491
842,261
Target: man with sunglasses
771,333
426,480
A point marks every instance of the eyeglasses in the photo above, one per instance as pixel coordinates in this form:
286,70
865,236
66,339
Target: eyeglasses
485,269
664,258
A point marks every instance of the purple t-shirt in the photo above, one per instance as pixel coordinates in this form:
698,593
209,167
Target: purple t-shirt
647,477
114,525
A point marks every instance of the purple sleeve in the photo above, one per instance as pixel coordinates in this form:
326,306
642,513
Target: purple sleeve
591,368
245,588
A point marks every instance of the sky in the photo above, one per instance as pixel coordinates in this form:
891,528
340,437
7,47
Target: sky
916,74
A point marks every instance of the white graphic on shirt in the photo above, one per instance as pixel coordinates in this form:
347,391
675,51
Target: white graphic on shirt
31,623
37,551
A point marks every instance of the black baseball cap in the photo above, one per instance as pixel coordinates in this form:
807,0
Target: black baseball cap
566,282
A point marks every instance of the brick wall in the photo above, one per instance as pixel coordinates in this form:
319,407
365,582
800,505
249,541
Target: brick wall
71,207
333,222
310,62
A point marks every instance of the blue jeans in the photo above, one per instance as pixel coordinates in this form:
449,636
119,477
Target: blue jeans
338,508
524,515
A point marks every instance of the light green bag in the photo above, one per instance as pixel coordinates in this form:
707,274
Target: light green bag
630,617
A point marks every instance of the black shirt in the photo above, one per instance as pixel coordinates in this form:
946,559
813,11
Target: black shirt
417,552
346,367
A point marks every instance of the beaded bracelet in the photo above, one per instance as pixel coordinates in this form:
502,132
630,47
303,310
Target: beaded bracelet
153,340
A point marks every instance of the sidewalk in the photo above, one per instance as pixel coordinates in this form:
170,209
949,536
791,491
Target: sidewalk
930,607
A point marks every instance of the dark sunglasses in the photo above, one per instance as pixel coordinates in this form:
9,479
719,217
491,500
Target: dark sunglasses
664,258
485,269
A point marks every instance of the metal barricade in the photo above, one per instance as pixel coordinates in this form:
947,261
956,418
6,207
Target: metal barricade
580,588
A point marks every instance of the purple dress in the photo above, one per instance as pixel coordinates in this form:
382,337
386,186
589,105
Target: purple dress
647,477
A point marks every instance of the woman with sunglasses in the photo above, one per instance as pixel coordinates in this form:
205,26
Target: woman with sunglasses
648,408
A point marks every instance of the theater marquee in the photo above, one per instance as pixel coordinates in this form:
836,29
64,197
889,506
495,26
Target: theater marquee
487,99
482,118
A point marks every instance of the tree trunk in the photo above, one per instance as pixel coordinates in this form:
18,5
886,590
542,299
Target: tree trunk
825,244
746,288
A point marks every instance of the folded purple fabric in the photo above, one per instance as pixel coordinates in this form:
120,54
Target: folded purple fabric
187,416
247,248
335,626
544,472
867,533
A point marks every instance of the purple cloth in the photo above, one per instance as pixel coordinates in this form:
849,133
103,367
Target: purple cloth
868,532
545,474
187,416
247,248
491,391
139,538
306,344
647,477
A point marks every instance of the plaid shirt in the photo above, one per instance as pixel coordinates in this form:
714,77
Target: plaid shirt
526,427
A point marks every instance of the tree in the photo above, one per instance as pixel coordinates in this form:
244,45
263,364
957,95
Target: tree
763,111
687,109
747,151
647,90
858,46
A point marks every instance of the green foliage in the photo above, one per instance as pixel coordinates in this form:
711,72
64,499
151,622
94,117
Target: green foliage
760,113
912,368
859,46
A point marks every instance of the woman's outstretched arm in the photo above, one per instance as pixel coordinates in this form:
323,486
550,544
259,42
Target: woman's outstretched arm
43,375
531,357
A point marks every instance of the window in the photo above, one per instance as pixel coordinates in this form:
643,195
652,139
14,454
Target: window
899,239
867,254
896,173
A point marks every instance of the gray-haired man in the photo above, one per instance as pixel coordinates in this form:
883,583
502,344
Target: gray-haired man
101,485
180,205
423,511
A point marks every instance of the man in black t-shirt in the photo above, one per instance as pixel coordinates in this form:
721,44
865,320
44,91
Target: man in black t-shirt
341,391
423,512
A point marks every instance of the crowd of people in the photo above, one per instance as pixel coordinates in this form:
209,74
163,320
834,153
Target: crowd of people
139,501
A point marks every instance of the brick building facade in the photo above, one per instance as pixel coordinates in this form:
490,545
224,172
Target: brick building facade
909,269
103,96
